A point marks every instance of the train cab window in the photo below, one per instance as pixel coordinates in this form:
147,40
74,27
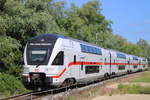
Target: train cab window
38,55
91,69
59,59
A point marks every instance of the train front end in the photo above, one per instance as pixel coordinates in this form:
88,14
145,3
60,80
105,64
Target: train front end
37,70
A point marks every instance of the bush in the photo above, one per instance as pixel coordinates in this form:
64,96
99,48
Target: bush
10,85
10,55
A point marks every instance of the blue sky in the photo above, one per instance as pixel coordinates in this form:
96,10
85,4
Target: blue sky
131,18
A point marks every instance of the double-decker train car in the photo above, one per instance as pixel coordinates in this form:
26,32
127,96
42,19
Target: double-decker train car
55,60
144,64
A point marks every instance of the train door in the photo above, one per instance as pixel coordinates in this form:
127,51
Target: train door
128,64
110,63
107,60
81,67
113,67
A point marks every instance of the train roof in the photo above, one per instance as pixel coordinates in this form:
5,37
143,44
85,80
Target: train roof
56,36
46,38
48,35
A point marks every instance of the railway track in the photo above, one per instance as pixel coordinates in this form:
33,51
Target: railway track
58,92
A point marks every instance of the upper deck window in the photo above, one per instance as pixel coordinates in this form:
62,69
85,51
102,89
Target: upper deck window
135,58
90,49
120,55
144,60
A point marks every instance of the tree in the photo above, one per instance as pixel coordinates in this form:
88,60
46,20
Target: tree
145,48
85,22
2,5
25,20
10,55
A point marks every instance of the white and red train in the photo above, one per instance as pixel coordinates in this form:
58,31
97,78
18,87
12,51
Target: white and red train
53,60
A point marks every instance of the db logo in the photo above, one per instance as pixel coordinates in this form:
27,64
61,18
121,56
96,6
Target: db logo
36,70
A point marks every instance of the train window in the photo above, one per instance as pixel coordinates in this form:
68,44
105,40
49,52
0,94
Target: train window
135,66
91,69
140,62
38,55
121,67
74,58
86,49
135,58
119,55
128,62
59,59
99,51
90,49
83,48
144,60
81,65
95,50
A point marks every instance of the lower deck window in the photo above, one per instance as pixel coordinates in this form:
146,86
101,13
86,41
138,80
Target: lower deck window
121,67
134,66
91,69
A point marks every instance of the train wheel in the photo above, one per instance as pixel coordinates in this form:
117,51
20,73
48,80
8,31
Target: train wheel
113,73
106,76
128,72
68,82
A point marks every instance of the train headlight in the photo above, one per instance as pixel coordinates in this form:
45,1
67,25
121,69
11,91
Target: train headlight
26,70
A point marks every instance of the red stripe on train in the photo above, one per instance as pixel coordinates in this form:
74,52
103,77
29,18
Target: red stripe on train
59,74
91,63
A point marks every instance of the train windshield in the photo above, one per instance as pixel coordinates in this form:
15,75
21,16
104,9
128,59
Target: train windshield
38,55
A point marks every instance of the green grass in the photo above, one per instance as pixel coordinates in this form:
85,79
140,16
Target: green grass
144,78
69,98
133,89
